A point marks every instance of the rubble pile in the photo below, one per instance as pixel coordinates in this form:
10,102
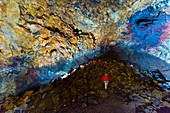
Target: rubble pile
84,88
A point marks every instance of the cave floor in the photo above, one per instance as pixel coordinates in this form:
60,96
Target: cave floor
109,105
130,90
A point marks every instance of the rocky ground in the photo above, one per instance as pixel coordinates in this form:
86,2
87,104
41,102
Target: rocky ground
130,90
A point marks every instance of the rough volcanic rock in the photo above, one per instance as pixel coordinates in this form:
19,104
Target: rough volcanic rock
131,92
41,40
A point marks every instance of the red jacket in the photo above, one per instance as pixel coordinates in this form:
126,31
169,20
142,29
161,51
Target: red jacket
105,64
105,78
99,62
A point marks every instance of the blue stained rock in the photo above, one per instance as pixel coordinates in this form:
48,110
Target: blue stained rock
77,5
147,26
38,32
95,1
31,17
15,72
19,19
51,32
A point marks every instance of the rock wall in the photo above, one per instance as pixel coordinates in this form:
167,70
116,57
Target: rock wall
41,40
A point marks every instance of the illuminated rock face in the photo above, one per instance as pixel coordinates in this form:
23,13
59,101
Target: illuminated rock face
43,39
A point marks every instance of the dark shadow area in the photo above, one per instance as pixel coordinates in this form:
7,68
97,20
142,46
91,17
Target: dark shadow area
142,59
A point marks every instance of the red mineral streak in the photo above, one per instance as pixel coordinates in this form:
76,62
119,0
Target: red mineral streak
148,46
131,35
128,26
165,34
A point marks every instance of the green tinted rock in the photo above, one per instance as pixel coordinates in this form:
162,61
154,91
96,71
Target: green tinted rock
65,93
92,92
79,83
157,94
55,99
73,91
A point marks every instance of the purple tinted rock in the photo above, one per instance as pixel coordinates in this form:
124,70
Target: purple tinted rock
164,110
2,110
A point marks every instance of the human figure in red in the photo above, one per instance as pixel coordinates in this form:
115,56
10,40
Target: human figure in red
100,62
105,79
94,62
105,64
